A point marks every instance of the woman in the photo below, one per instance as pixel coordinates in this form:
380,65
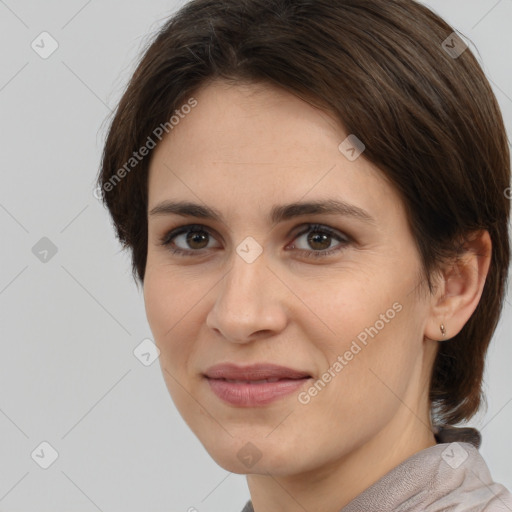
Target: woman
332,374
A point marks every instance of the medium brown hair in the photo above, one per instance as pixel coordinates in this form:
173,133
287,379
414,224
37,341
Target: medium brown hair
429,120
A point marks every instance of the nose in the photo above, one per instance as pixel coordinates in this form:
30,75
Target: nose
249,302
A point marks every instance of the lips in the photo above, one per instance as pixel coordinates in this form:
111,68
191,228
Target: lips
257,373
254,386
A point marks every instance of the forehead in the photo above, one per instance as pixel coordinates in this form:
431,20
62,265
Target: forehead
249,145
263,122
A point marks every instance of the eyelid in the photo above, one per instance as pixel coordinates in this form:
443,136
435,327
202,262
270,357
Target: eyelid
312,226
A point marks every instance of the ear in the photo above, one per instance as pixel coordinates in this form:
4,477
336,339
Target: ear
460,287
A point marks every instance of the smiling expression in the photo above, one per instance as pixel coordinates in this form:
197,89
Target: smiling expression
267,245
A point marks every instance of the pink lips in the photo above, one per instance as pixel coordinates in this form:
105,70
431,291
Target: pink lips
254,385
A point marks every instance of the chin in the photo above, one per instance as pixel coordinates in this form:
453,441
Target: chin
256,456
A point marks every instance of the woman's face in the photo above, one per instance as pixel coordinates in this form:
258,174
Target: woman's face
339,302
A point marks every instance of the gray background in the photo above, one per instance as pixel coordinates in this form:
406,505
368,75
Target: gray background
68,375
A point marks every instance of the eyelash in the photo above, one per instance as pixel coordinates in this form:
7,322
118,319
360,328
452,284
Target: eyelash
168,237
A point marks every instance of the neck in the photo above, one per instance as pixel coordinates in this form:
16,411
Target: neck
331,487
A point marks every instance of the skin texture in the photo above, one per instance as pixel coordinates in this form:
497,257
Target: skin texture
242,150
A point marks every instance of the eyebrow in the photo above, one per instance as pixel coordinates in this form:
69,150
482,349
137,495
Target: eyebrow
278,213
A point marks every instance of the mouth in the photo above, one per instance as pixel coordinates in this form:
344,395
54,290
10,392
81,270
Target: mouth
254,373
262,381
255,385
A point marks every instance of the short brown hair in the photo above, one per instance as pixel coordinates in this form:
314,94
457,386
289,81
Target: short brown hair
429,120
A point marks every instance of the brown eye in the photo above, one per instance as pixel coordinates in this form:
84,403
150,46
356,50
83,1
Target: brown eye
318,241
197,239
187,239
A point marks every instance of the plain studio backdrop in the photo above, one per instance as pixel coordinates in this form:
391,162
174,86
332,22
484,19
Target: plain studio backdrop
71,318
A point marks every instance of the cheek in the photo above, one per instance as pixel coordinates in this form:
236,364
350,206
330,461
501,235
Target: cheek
159,304
340,307
170,314
168,304
167,294
369,327
388,354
